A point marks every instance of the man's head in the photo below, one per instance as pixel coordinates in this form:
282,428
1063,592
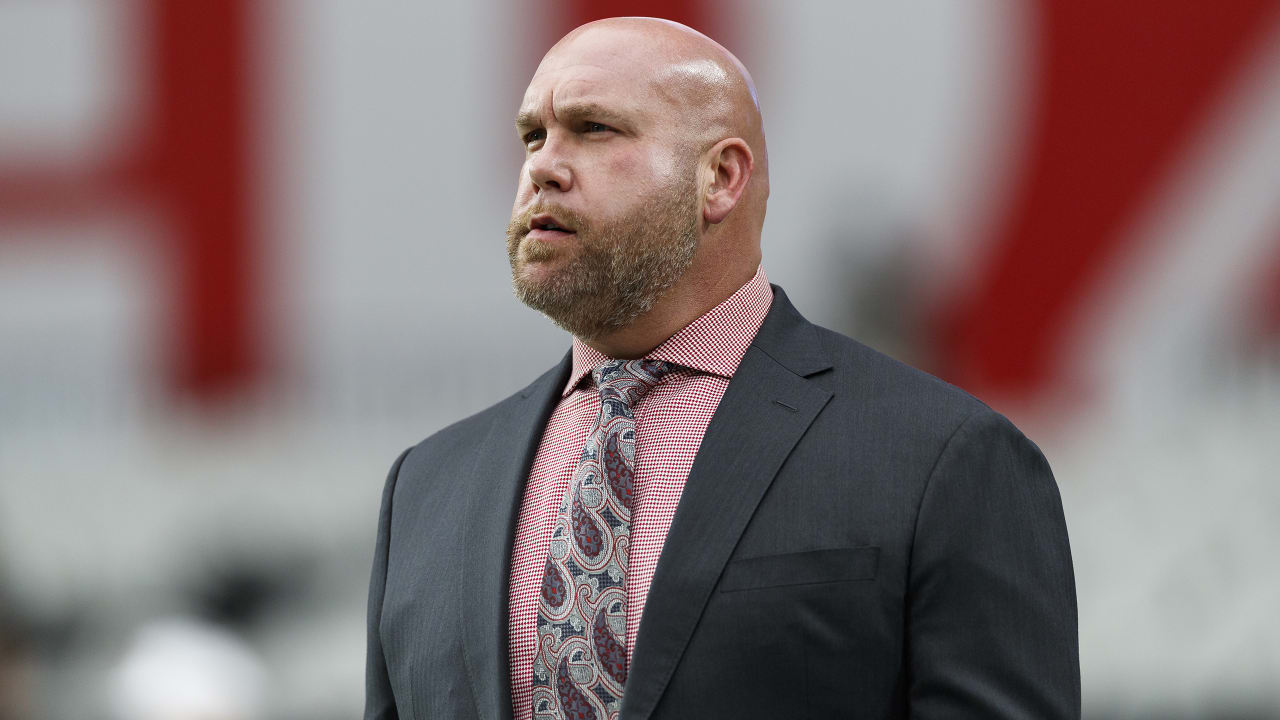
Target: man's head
645,175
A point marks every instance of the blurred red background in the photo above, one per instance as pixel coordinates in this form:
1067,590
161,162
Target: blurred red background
249,251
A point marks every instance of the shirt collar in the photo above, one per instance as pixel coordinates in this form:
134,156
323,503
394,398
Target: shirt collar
713,344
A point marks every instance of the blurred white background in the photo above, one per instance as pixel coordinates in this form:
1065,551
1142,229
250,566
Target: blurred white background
251,251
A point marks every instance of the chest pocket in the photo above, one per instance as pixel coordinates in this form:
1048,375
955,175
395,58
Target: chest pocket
802,568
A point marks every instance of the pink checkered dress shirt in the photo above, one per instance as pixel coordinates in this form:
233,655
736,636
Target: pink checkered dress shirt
670,422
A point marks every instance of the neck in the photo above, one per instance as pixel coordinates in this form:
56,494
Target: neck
695,295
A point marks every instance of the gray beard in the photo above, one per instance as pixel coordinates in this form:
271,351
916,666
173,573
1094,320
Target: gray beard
620,270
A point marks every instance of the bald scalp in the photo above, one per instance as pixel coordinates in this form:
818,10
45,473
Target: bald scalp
709,88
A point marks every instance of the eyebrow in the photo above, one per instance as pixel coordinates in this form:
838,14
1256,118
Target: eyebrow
572,112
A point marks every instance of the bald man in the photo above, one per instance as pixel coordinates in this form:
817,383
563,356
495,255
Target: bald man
710,508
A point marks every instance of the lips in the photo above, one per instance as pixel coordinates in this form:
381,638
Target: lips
546,227
549,222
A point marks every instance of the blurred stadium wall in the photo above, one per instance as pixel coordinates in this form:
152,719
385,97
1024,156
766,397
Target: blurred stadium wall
250,251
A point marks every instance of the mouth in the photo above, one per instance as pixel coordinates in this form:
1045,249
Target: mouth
547,228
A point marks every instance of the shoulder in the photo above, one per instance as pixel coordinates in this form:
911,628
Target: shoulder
870,391
942,441
885,395
459,441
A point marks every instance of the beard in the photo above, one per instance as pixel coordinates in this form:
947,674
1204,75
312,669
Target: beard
621,267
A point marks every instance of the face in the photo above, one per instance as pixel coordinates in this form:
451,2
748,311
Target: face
606,216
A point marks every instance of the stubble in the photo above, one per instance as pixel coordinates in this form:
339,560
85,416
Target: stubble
620,269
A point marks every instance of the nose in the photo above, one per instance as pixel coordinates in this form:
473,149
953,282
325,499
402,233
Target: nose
549,168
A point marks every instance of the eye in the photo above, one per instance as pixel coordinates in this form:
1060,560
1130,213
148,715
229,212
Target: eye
595,127
534,136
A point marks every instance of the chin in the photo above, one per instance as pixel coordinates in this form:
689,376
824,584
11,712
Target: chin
539,274
537,258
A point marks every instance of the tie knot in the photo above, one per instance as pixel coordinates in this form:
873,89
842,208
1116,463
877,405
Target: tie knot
629,380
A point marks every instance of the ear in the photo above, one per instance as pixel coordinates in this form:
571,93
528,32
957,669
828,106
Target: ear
731,164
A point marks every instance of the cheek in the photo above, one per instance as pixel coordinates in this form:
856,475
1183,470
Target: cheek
664,167
645,169
524,186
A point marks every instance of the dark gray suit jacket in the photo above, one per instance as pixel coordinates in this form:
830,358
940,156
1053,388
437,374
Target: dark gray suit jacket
857,539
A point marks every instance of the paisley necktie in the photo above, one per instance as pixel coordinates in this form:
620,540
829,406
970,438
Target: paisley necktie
580,668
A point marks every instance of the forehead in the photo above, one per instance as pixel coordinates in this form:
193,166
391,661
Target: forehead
593,69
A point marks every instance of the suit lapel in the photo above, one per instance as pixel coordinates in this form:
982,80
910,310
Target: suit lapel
502,467
767,407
